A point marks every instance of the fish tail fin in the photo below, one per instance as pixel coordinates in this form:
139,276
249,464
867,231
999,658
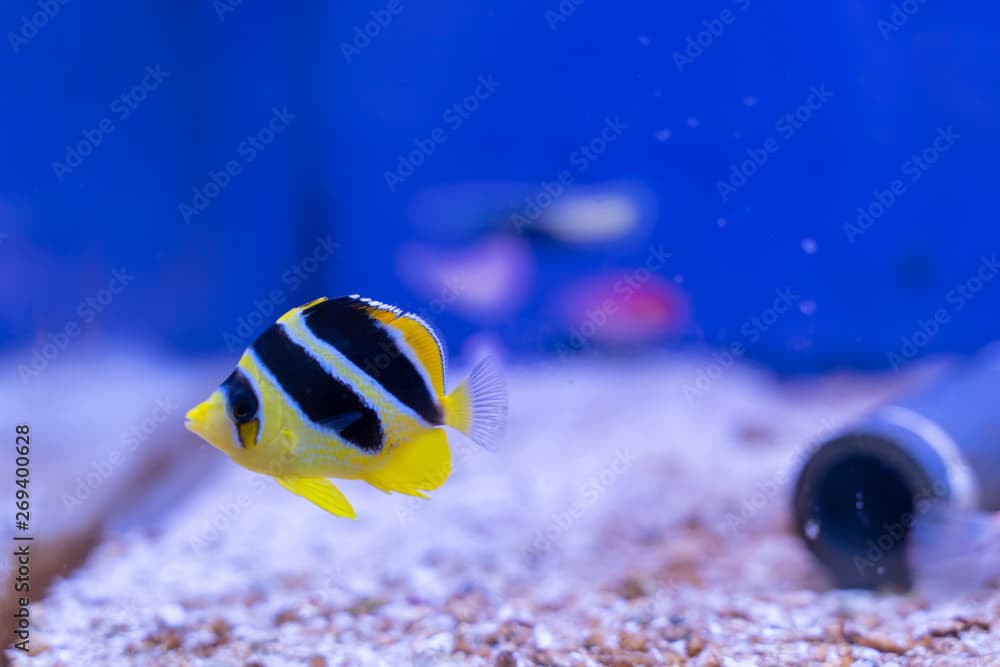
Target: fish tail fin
414,466
953,551
478,406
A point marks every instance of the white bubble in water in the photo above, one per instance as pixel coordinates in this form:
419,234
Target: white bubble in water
807,306
644,40
750,100
812,529
721,222
692,122
662,134
809,246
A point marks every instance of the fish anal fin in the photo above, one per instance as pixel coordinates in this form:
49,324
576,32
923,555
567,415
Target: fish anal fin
320,492
417,465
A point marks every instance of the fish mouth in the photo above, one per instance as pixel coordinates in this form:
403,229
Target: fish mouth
207,420
193,418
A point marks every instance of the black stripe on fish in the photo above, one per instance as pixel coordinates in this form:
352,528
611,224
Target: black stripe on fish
345,324
323,398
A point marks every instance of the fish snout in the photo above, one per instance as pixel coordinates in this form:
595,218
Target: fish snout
210,421
206,418
194,417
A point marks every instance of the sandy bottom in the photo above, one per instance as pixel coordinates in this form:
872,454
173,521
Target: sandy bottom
632,517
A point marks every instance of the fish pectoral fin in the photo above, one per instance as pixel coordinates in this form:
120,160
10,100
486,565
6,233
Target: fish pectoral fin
339,422
417,465
321,492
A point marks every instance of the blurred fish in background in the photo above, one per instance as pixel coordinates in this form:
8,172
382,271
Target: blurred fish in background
621,310
608,215
485,281
509,232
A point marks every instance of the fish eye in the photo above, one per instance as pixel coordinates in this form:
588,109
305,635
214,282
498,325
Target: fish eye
241,401
244,408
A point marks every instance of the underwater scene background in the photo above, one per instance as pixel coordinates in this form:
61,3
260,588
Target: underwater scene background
738,261
842,153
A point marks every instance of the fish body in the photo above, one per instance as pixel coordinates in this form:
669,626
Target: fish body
348,388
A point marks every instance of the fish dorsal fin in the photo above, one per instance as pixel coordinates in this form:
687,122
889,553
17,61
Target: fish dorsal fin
301,309
421,339
314,302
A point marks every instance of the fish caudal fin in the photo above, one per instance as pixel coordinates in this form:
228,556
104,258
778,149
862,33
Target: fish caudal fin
478,406
414,466
953,551
321,492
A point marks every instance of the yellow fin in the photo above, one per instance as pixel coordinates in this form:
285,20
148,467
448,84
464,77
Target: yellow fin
478,406
414,466
425,344
321,492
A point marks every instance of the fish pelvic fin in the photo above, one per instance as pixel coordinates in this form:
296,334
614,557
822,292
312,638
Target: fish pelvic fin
321,492
478,406
414,466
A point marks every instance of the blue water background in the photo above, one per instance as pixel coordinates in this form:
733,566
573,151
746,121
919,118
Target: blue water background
696,84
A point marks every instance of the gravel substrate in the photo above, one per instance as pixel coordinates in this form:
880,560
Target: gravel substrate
633,517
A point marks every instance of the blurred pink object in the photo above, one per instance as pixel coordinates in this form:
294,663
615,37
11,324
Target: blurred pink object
485,282
623,309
